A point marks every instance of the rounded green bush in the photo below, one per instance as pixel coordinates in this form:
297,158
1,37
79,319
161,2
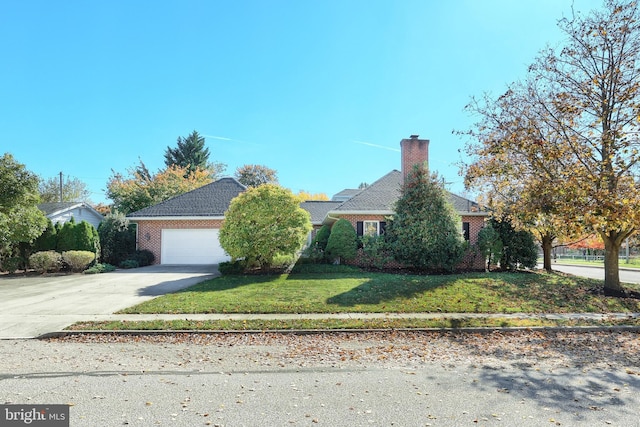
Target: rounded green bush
46,261
78,260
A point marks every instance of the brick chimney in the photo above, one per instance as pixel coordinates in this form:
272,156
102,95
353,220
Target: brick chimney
414,151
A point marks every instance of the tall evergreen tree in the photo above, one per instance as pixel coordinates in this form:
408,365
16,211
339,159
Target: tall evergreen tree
426,231
190,153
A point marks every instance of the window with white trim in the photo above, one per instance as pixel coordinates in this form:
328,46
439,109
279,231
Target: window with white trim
371,228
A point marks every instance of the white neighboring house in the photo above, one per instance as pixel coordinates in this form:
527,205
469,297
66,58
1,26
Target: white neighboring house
80,211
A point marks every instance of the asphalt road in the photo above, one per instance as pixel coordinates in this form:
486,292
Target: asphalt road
31,306
146,384
626,276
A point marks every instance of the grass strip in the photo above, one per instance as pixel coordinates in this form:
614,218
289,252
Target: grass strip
336,324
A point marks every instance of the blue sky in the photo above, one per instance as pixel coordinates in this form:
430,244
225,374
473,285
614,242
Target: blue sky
321,91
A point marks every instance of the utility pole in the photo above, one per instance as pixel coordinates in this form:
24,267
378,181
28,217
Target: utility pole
60,187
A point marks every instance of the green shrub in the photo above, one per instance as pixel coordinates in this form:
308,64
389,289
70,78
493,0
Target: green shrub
490,245
343,241
117,239
313,253
519,247
284,261
11,264
100,268
375,252
322,237
230,268
86,237
46,261
129,263
48,240
144,257
67,237
78,260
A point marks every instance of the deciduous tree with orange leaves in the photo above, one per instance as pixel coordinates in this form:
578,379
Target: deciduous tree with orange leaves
569,131
141,188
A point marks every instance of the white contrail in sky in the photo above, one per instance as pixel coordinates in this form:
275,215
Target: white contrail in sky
224,138
218,137
377,146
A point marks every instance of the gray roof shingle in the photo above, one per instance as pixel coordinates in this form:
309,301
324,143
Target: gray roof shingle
211,200
383,194
379,196
345,194
319,209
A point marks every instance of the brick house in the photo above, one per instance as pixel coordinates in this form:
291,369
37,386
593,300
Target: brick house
184,229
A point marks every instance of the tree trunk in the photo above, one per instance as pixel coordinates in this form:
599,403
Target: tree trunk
547,244
612,244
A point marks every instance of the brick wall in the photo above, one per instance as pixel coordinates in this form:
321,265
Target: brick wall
150,232
353,219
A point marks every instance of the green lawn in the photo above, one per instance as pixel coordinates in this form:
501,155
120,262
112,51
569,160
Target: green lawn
340,289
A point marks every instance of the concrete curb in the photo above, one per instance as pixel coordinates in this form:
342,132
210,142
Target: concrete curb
474,330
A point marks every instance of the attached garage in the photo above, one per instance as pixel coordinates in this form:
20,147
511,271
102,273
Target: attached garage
191,246
185,229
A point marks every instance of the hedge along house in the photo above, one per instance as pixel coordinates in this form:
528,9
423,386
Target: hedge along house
368,209
185,228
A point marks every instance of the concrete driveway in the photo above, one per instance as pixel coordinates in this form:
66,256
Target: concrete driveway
32,306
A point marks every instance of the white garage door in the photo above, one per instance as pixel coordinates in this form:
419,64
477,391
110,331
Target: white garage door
193,246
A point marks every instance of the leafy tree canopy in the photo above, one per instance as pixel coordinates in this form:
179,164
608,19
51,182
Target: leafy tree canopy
255,175
73,190
306,196
571,128
20,219
262,222
141,188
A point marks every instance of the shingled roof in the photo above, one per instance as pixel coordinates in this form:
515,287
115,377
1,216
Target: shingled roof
319,209
381,196
211,200
56,207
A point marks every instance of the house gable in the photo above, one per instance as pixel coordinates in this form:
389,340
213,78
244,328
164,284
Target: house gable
61,212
